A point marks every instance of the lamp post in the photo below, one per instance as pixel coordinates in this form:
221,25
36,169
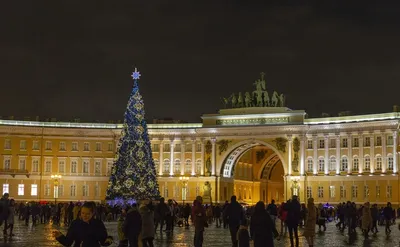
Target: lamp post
55,178
184,181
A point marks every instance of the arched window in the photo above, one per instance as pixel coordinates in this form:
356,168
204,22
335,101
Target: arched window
367,163
156,165
177,166
378,163
321,164
166,164
390,163
332,164
198,167
355,163
309,165
188,166
344,164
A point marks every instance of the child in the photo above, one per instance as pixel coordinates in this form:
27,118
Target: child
243,235
123,241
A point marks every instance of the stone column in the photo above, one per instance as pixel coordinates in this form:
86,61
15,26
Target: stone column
202,156
171,165
372,153
213,156
193,157
315,148
350,154
384,158
361,153
395,152
326,140
338,158
302,152
161,159
183,159
290,142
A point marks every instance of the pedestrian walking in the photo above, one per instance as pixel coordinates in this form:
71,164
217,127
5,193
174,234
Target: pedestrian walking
234,214
262,229
293,207
199,220
133,226
148,230
310,222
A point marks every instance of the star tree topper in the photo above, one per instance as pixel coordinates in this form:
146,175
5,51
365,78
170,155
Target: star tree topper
136,74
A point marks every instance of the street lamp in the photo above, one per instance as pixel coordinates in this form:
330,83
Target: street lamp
184,181
55,178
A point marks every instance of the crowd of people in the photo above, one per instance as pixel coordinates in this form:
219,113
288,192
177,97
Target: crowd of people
140,222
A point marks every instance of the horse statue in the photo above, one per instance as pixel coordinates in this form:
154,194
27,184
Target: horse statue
240,100
247,99
275,99
234,100
266,99
282,100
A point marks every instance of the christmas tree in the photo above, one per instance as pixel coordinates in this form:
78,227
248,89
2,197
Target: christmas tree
133,175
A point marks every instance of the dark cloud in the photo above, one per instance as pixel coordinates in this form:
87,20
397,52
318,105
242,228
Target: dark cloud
73,59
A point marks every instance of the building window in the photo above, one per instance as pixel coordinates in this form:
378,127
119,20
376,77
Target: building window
198,166
188,166
7,144
178,148
332,191
35,165
74,146
355,164
177,166
321,165
22,164
35,145
309,144
167,147
156,147
74,166
166,164
98,146
389,191
390,163
96,190
309,192
355,142
390,140
73,190
21,189
61,166
198,147
33,189
6,188
366,191
309,165
342,192
320,192
109,167
48,145
367,163
333,143
86,146
7,163
332,164
22,145
47,167
156,165
62,146
110,147
166,192
378,141
321,143
354,191
344,164
344,143
378,191
85,166
367,141
47,189
61,190
188,148
378,163
97,167
85,190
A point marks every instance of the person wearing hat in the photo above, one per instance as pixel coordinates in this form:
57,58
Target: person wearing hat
311,221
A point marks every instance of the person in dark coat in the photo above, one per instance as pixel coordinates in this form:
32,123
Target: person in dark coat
85,231
262,228
4,211
186,213
160,213
293,208
133,226
234,215
200,221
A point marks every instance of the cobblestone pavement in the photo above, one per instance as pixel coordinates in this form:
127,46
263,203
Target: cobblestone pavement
40,236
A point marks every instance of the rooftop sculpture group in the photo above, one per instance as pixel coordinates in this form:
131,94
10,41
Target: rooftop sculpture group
258,98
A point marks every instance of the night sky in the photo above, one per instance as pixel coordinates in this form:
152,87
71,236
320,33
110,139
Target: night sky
69,59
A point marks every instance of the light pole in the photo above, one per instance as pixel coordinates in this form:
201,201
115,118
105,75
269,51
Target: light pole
184,181
55,178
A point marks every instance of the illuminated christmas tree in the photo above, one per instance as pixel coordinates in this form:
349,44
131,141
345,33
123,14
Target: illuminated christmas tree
133,175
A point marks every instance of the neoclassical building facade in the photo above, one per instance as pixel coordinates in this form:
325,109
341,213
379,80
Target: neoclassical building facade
256,153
